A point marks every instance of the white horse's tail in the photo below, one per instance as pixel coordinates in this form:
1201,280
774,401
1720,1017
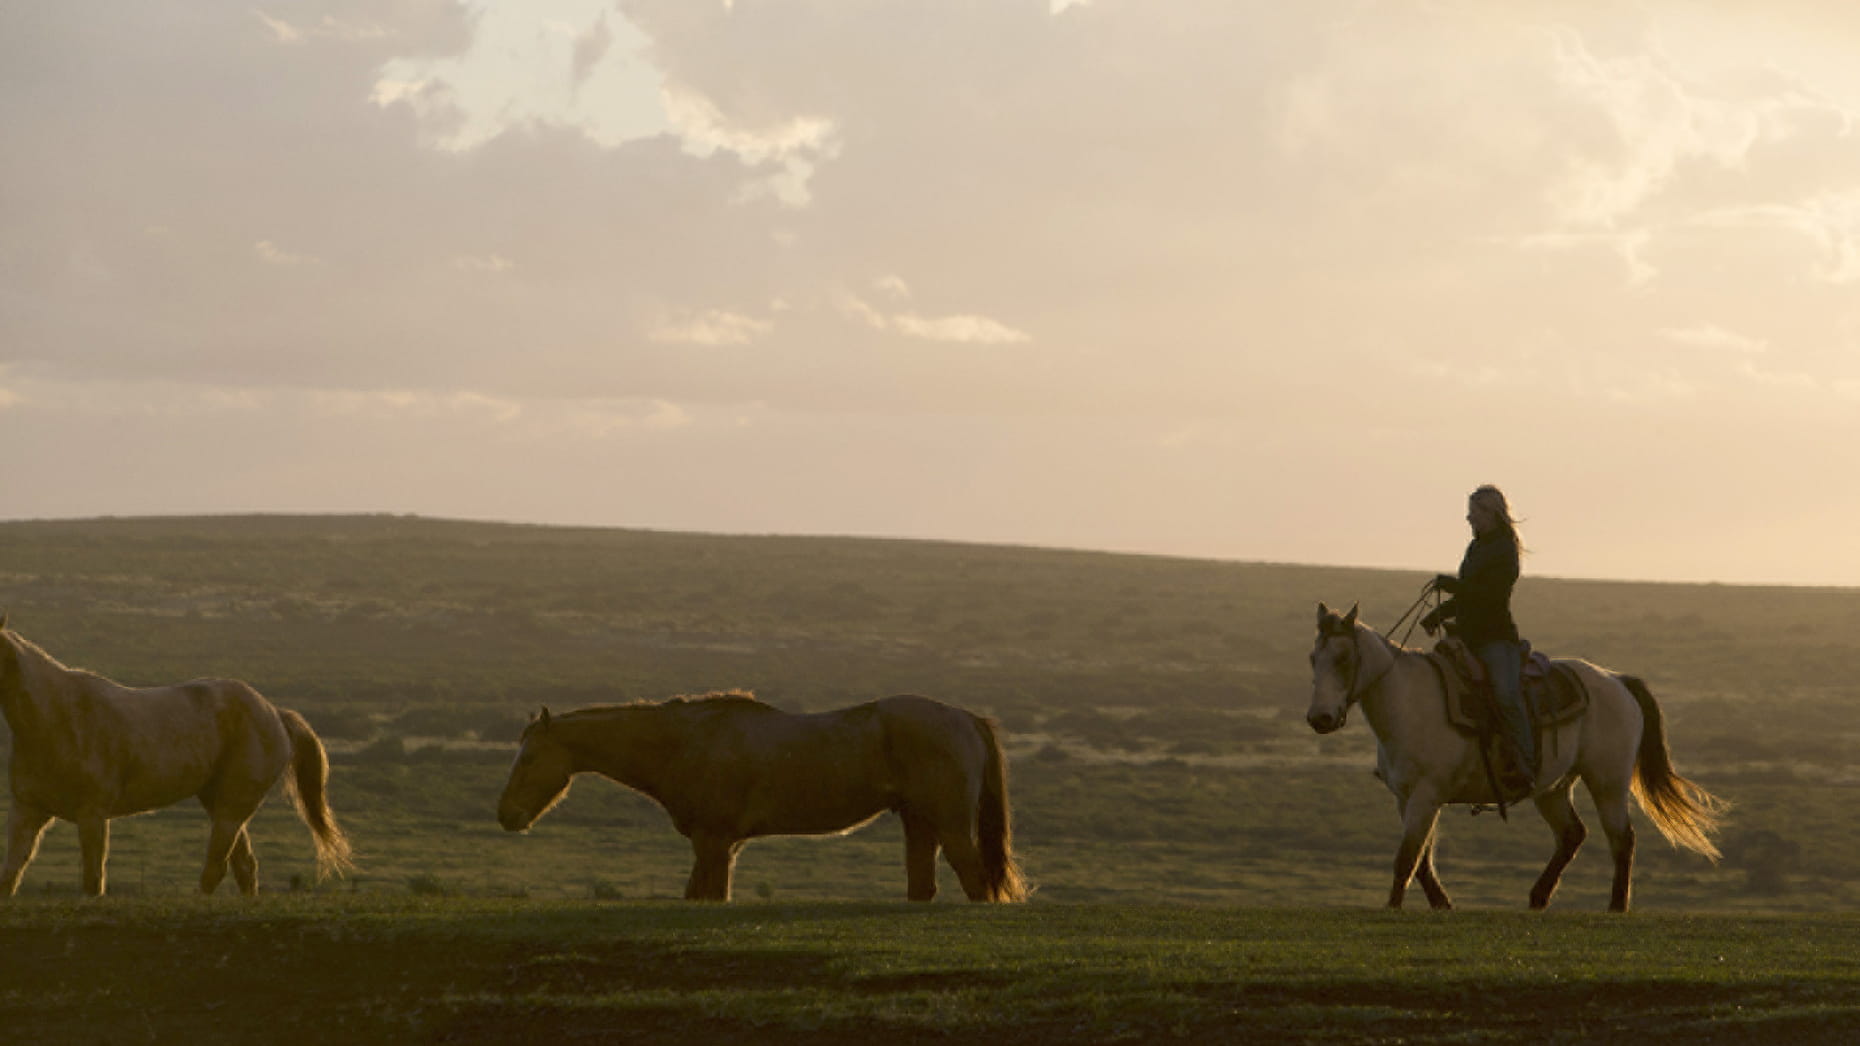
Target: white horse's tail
307,785
1686,814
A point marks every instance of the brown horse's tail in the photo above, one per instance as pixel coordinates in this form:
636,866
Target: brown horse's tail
307,785
994,828
1686,814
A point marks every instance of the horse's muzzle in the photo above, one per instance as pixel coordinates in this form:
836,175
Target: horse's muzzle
1325,723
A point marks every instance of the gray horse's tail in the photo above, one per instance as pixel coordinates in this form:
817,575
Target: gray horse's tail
307,785
1686,814
994,828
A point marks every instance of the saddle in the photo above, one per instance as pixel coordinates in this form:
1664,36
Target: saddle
1553,693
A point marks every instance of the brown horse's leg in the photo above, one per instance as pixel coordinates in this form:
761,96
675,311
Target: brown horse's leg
710,873
1419,816
94,845
966,858
1560,813
24,826
245,863
920,847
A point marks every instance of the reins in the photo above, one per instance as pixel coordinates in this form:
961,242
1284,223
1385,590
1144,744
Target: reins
1356,693
1426,591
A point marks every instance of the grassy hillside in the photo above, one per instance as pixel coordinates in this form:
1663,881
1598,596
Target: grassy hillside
366,971
1154,706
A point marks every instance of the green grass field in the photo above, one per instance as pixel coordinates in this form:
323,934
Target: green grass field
1206,867
342,969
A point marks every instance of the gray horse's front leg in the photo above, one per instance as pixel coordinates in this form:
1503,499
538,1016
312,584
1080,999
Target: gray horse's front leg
1419,817
1430,881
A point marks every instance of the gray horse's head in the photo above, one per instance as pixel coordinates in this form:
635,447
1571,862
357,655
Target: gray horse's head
1336,660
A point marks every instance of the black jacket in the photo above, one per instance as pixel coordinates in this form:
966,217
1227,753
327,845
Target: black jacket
1481,595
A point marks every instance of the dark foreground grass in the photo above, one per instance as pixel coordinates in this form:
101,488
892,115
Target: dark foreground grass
375,969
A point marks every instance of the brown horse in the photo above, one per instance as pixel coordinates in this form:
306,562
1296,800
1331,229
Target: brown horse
728,768
88,750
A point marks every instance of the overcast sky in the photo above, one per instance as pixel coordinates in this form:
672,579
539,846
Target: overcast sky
1248,280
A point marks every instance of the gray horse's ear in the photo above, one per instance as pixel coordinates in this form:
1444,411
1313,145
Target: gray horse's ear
1349,619
544,717
1323,614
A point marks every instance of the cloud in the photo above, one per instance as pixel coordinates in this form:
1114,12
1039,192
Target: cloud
974,330
711,327
1282,225
1713,337
271,254
328,27
1830,222
590,47
959,328
482,263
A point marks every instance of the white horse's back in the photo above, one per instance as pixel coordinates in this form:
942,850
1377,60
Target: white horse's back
128,750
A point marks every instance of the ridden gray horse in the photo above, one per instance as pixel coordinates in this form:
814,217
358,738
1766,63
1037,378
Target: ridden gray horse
1617,747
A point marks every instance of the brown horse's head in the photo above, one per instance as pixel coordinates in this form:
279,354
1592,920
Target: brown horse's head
1335,663
539,779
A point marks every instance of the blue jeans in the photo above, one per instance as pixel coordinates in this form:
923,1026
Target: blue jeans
1504,667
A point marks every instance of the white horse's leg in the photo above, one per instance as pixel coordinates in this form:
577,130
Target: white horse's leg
24,826
920,848
1419,814
1560,813
220,842
94,846
245,863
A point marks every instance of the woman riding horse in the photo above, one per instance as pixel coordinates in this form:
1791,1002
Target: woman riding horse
1479,605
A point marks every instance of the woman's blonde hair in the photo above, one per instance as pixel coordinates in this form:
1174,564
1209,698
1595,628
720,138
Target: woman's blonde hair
1493,498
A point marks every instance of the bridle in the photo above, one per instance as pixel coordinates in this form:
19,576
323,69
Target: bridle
1354,693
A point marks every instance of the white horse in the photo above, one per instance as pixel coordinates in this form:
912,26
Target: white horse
87,750
1616,747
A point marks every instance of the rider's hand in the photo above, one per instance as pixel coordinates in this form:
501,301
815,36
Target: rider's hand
1431,622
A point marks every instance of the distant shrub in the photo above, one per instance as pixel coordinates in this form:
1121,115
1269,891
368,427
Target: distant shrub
1765,857
427,884
386,750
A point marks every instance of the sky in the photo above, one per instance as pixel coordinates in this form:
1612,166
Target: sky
1217,278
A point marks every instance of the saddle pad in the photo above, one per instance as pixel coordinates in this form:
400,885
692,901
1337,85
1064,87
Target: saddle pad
1557,696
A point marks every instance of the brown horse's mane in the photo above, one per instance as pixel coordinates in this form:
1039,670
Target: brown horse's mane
712,699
